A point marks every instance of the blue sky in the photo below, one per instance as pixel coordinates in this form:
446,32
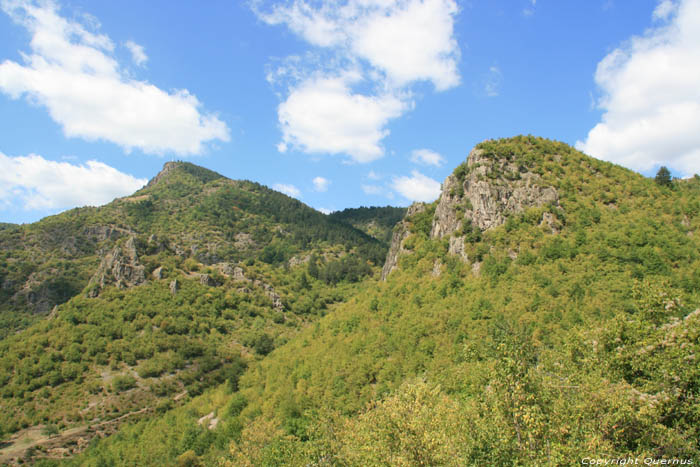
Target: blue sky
340,104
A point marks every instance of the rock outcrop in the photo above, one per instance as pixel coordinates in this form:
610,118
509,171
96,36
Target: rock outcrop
401,232
480,195
120,267
485,192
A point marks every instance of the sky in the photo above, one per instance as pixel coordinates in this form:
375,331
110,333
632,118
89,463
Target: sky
339,104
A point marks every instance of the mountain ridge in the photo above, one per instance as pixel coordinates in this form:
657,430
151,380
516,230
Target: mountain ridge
557,325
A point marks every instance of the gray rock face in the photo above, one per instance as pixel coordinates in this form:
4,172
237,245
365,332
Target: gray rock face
483,193
401,232
121,267
489,192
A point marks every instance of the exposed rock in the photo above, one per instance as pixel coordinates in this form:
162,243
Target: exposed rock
490,191
550,221
484,194
206,279
174,287
226,269
120,267
238,274
296,261
401,232
271,294
456,248
158,273
476,268
437,268
243,241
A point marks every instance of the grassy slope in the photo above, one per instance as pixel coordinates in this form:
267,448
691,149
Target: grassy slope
577,347
98,358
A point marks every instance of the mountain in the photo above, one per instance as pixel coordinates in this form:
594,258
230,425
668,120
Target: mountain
185,210
543,310
127,309
377,222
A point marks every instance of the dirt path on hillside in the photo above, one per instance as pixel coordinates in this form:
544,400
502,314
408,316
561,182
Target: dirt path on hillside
64,444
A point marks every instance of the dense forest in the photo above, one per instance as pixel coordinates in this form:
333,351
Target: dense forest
567,329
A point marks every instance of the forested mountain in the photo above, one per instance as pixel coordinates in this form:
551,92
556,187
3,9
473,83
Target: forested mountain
375,221
542,310
162,293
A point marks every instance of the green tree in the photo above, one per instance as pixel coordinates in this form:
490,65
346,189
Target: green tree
663,177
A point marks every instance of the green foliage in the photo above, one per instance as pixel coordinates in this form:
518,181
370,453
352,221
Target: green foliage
377,222
123,383
663,177
555,347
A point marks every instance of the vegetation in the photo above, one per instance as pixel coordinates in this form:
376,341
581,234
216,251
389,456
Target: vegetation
543,348
233,270
377,222
663,177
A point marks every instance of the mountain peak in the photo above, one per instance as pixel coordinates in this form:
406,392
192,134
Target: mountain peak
168,168
173,167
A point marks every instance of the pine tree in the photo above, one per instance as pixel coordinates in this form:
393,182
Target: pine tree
663,177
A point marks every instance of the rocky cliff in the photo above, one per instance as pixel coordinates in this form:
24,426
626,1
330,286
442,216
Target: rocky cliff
399,235
121,267
479,195
485,191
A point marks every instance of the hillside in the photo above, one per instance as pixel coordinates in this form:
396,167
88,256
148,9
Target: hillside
541,311
187,210
377,222
149,300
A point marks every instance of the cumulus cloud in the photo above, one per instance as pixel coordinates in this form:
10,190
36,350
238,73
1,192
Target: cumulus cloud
321,184
324,211
427,157
417,187
651,97
37,183
323,115
72,72
138,54
287,189
407,40
380,46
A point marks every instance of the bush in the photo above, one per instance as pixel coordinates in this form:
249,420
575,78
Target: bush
123,383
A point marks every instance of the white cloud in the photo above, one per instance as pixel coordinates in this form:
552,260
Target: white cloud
651,97
287,189
417,187
492,82
38,183
427,157
407,40
664,9
72,72
321,184
324,211
138,54
372,175
323,115
372,189
382,45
